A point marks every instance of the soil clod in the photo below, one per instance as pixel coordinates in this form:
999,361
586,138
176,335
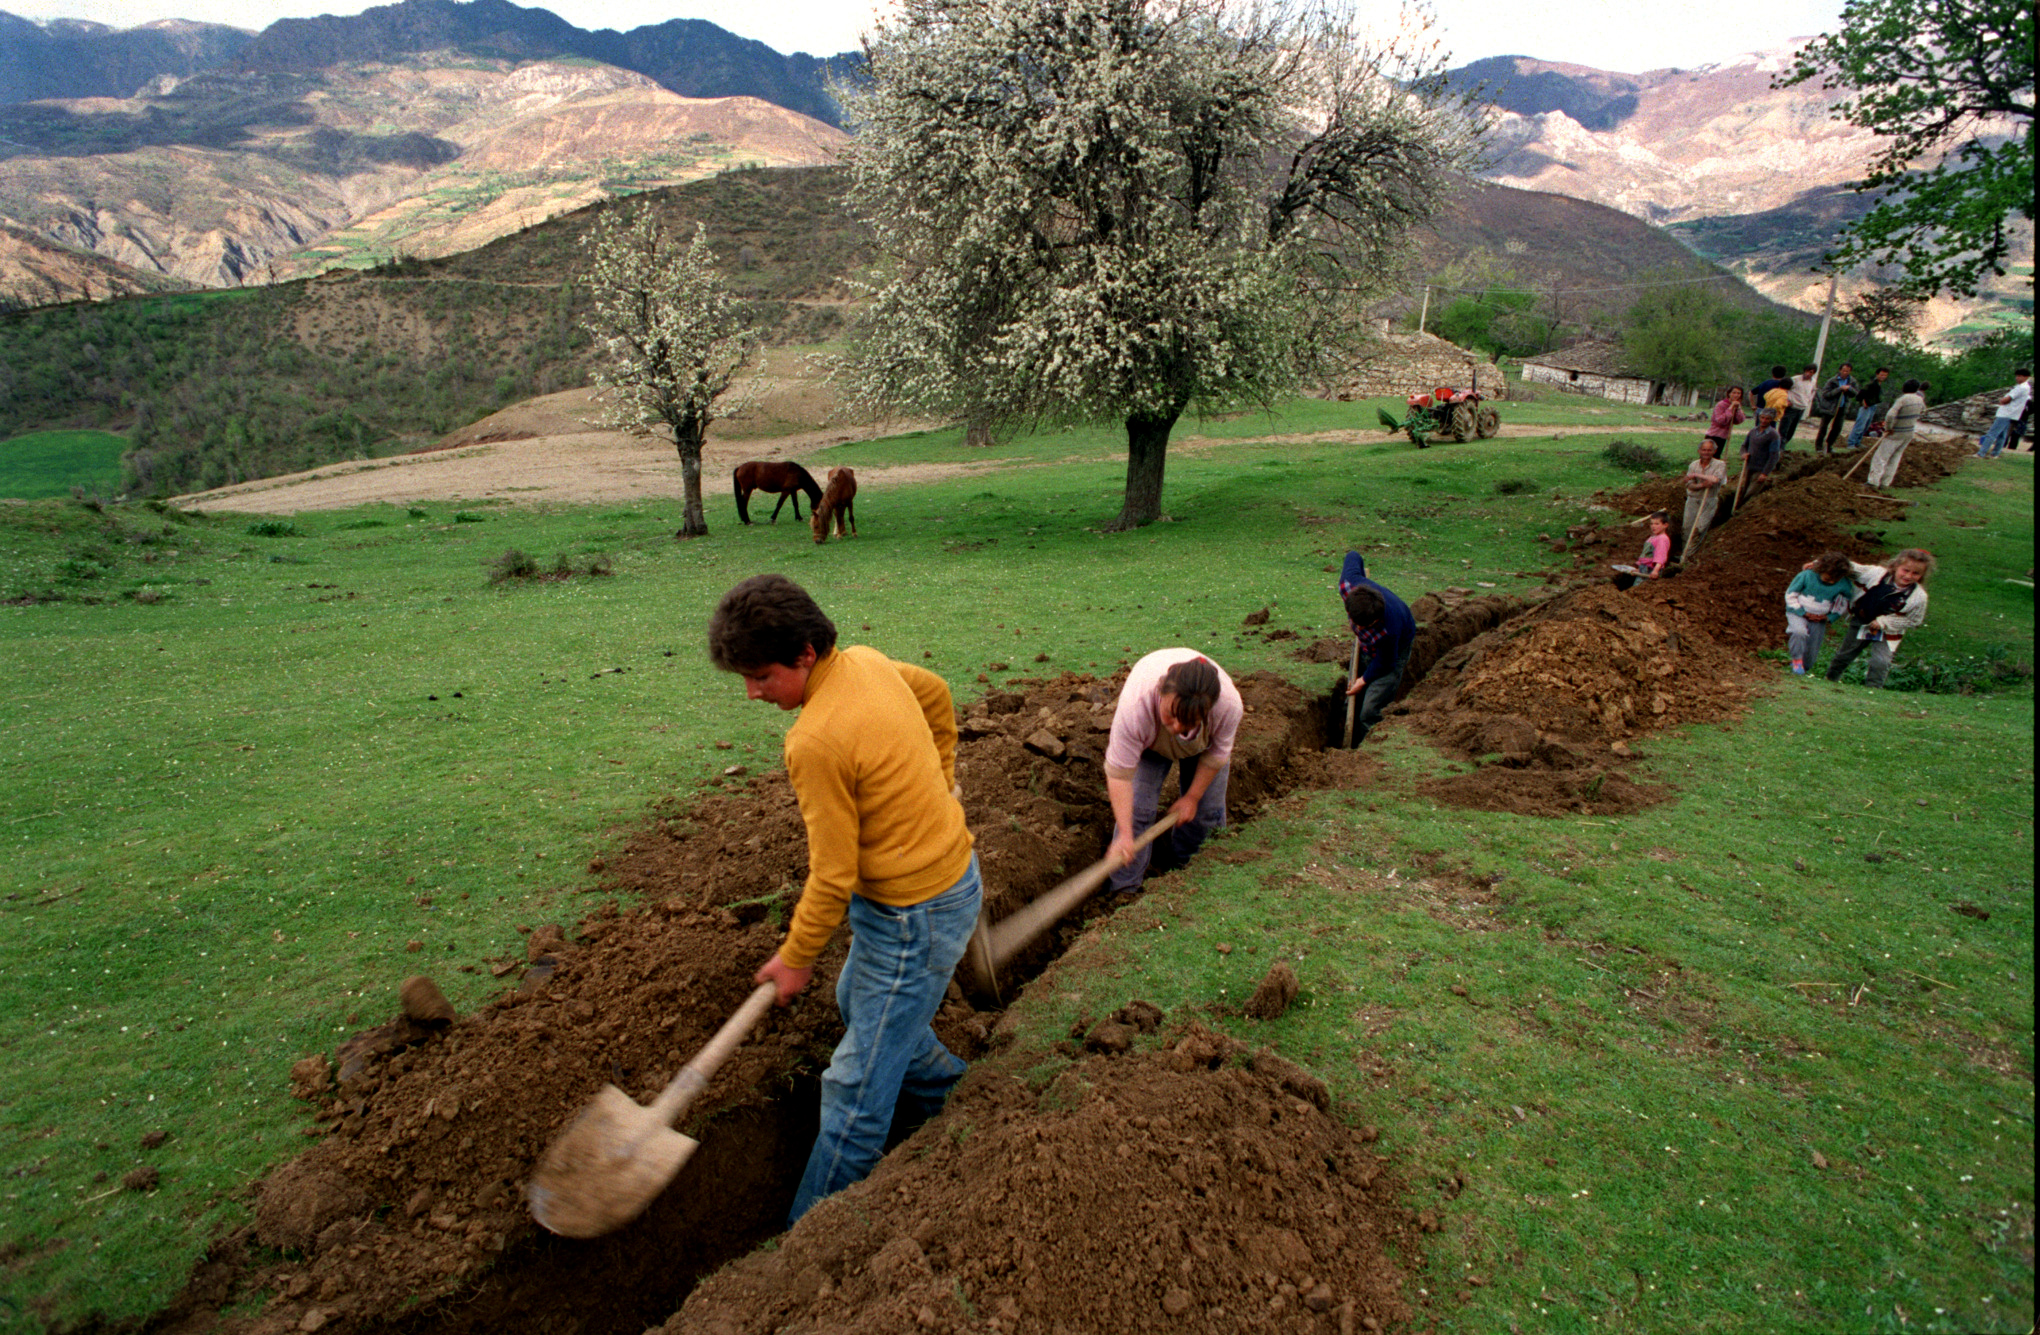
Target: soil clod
424,1003
1277,989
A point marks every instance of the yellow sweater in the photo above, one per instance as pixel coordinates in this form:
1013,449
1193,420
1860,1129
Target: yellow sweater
872,758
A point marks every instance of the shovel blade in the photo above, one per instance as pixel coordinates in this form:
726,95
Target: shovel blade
608,1166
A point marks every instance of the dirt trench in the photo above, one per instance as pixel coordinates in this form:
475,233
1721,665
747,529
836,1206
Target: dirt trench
1165,1189
407,1212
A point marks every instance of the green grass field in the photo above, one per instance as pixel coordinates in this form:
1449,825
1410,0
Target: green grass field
253,762
51,463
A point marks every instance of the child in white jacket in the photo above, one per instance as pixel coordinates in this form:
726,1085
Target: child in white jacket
1893,602
1817,596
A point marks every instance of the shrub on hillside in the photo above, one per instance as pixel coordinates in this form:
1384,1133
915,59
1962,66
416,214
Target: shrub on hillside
1636,458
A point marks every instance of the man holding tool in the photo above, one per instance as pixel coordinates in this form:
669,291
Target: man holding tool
1178,709
1384,632
872,759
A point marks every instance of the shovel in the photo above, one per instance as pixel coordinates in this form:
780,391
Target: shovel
618,1155
1352,701
992,945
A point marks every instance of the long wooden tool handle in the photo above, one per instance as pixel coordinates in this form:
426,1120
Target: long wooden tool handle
1859,463
1352,701
694,1076
1013,934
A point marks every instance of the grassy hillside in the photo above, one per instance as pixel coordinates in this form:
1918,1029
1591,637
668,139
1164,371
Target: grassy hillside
280,752
53,463
223,386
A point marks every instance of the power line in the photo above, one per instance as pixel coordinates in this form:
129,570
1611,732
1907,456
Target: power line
1577,291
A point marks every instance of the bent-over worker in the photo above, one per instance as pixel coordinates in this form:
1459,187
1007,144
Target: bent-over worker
1385,630
1177,710
872,759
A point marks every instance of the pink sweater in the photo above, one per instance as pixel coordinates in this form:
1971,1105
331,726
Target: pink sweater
1137,723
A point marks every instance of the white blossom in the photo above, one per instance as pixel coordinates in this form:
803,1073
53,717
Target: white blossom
671,340
1123,209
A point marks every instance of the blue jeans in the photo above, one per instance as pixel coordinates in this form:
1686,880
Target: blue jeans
1993,442
1377,695
891,985
1864,416
1182,841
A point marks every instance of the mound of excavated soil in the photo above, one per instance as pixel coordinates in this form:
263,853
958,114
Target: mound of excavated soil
1157,1191
1556,687
411,1203
1545,792
1553,693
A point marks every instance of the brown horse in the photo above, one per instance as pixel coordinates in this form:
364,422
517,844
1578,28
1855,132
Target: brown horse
786,478
837,504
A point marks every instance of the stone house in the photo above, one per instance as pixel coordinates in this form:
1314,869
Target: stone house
1597,368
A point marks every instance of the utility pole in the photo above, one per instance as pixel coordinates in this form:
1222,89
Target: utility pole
1826,318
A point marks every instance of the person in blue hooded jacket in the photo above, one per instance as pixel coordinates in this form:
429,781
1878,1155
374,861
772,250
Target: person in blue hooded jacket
1386,631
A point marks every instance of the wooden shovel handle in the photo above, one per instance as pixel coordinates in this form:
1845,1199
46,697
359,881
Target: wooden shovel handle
1352,701
1013,934
695,1075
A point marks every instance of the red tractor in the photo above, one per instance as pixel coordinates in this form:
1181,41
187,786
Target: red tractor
1446,412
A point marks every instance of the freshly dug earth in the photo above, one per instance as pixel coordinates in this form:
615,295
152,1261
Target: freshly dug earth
409,1210
1549,701
1169,1190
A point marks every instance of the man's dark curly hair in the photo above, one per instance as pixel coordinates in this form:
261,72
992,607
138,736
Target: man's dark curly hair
1364,607
1194,683
765,620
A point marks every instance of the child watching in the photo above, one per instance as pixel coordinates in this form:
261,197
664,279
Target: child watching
1816,596
1893,601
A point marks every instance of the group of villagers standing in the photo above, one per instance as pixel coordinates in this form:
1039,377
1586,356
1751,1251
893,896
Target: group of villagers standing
872,762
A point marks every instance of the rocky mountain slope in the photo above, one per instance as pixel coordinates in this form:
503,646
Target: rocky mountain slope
1754,177
73,58
229,178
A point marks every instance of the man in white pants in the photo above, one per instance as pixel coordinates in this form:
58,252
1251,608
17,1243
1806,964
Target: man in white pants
1899,422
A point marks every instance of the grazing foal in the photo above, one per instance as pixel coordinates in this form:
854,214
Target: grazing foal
837,504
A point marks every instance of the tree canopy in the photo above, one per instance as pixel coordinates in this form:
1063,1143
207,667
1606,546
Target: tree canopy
1686,334
1125,209
1946,81
670,340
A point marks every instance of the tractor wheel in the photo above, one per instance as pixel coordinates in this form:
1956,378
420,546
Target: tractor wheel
1461,426
1487,423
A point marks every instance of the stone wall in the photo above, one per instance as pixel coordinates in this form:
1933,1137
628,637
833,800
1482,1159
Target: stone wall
1403,363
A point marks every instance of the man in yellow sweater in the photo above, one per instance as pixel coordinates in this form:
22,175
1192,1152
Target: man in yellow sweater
872,758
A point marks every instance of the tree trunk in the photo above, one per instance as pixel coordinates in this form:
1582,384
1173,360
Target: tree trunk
688,441
1147,450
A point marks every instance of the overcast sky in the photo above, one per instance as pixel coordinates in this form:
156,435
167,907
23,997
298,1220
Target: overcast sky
1626,35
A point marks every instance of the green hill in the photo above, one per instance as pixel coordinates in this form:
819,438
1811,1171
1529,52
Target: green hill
51,463
219,387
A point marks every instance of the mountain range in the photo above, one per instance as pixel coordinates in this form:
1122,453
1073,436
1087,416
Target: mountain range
181,154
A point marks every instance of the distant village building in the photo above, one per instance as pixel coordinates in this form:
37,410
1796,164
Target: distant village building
1597,368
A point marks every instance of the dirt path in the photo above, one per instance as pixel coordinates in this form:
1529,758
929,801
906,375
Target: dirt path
544,451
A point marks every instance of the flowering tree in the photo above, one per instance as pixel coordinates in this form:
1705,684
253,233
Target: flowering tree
671,338
1123,209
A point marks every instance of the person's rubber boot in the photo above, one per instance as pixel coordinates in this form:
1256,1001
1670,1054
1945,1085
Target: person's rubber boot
1798,667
